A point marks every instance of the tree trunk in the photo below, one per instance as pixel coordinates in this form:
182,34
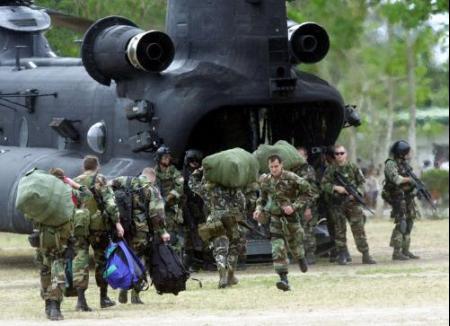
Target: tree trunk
412,94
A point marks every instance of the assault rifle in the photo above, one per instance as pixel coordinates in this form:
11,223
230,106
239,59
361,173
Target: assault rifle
351,190
422,191
250,228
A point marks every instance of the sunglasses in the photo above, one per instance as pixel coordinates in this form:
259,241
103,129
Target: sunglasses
340,153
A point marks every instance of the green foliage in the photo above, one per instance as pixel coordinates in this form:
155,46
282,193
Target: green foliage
437,182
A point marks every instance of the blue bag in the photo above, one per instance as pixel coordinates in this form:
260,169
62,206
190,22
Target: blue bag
124,270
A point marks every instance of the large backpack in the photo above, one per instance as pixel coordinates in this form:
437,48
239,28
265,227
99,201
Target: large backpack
124,270
166,270
44,199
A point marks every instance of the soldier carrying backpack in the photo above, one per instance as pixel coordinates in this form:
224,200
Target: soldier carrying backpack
49,201
142,213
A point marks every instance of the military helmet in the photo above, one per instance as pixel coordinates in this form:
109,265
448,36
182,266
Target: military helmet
401,148
193,155
163,150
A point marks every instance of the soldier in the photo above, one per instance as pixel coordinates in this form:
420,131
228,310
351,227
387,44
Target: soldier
308,218
284,195
103,214
170,183
399,192
226,206
344,207
53,245
193,210
148,219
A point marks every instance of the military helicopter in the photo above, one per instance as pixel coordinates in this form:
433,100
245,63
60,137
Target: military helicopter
211,82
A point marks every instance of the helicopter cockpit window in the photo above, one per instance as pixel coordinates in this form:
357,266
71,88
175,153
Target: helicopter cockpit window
23,133
96,137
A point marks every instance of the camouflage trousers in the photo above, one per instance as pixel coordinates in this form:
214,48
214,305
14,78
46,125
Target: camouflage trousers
139,244
176,231
287,236
309,240
403,209
226,247
99,242
352,213
52,274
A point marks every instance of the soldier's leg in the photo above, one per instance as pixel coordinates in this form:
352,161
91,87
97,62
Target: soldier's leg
99,242
279,253
58,280
310,243
398,238
356,219
221,246
295,242
139,245
341,234
45,279
81,272
235,236
242,248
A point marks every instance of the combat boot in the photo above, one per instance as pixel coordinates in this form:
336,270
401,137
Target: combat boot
283,284
342,258
398,255
367,259
409,254
55,311
82,303
105,302
123,296
333,255
223,281
135,299
303,264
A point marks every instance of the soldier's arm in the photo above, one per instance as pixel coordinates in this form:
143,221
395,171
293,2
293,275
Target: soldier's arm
156,211
328,181
264,196
178,190
196,184
307,195
393,175
360,179
109,200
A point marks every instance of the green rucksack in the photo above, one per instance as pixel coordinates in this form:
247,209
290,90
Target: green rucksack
288,153
234,168
44,199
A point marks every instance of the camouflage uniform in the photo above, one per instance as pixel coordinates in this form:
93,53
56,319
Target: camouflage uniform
308,173
344,210
402,199
170,183
251,196
50,255
98,237
286,231
148,219
227,206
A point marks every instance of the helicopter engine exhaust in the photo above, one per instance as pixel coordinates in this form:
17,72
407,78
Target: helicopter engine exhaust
309,42
114,48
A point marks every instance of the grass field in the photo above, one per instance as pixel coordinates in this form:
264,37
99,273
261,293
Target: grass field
390,293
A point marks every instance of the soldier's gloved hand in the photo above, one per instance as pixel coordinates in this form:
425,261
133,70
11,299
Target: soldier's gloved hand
340,190
308,215
257,216
120,230
171,200
165,237
288,210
